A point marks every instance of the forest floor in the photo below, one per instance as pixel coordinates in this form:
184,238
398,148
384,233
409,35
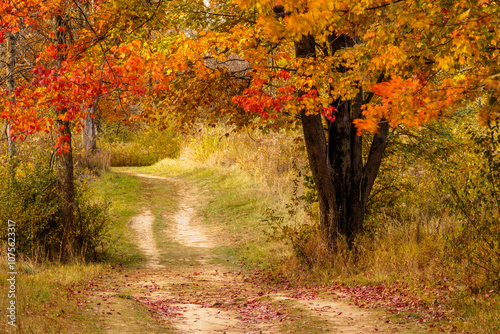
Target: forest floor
187,287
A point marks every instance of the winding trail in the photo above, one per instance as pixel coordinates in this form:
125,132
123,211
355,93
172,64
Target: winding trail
212,281
195,293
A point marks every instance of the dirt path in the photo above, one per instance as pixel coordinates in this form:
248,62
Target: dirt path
195,293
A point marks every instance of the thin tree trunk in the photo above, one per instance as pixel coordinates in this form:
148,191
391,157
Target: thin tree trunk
11,86
67,186
358,206
89,134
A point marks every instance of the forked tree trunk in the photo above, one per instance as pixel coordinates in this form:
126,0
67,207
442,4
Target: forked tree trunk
335,156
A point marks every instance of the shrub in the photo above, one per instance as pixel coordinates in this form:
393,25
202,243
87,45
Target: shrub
437,198
30,198
476,199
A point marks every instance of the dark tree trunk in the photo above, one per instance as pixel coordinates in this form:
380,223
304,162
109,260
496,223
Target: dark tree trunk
323,175
66,172
342,181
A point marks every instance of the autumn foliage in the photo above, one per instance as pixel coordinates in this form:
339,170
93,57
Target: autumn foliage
433,54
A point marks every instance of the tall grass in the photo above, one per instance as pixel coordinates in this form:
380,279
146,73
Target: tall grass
43,296
139,147
273,159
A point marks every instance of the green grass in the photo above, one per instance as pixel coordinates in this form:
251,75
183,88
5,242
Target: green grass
124,193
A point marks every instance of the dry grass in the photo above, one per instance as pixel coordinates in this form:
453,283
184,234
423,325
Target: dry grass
43,296
98,161
271,159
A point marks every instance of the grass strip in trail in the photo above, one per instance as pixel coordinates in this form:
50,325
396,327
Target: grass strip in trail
233,204
123,193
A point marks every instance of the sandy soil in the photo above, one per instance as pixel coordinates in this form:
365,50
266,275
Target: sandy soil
143,227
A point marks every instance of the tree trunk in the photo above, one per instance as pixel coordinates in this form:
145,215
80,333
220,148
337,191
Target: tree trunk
89,134
11,85
342,182
66,172
67,191
323,175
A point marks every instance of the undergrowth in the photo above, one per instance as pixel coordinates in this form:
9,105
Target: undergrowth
30,192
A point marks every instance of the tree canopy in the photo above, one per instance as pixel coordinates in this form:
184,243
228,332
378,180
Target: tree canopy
418,57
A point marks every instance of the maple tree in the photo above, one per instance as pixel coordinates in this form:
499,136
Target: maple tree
76,60
367,66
